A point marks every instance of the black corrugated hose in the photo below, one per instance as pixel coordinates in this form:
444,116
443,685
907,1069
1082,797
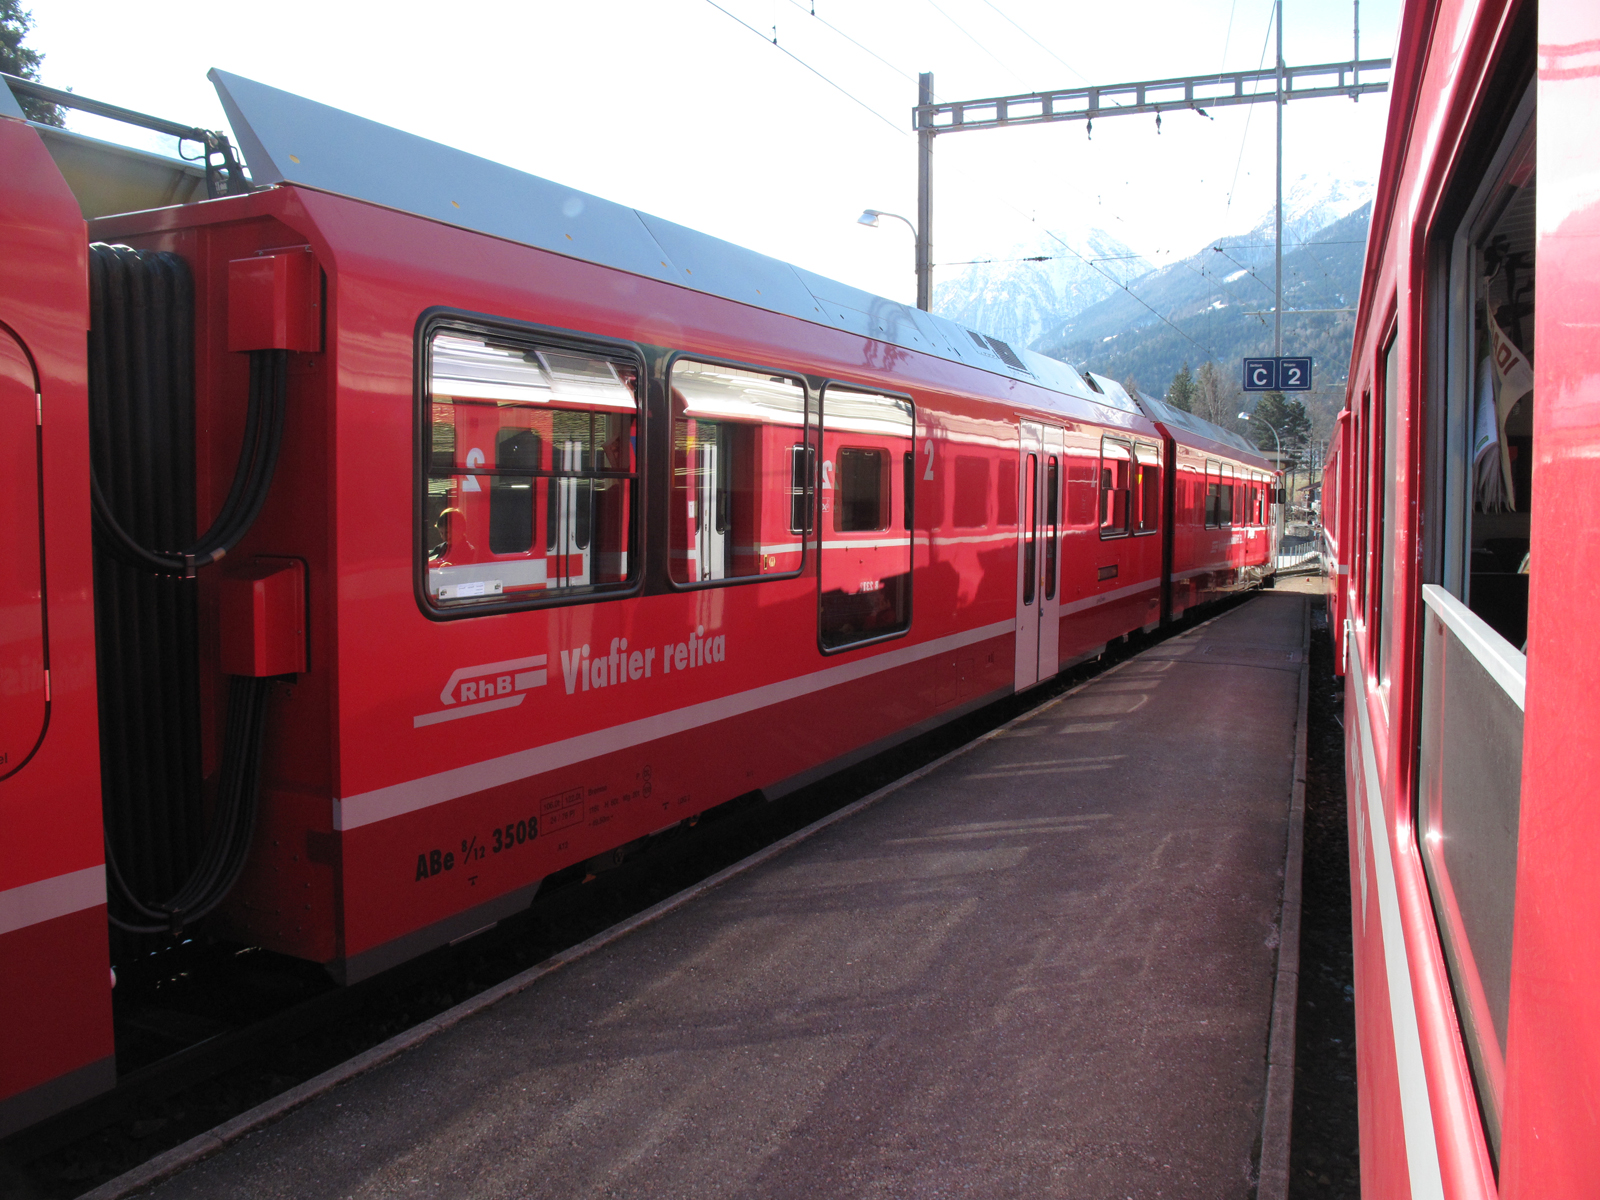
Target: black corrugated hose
232,828
252,478
132,323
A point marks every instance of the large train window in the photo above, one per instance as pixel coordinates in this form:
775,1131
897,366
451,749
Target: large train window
515,425
1213,494
865,557
1147,487
1116,487
741,463
1479,433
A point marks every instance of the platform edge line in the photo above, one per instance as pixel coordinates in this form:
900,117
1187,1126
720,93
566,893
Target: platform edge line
1277,1118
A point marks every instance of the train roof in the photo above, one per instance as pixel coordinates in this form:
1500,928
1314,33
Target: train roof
287,138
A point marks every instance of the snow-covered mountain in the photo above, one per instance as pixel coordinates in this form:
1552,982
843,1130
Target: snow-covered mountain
1034,291
1310,203
1037,284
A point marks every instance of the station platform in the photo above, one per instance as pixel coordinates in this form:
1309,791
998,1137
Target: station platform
1044,968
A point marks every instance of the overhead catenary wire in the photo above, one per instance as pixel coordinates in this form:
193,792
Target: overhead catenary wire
1038,43
900,71
1158,315
1249,112
773,42
964,33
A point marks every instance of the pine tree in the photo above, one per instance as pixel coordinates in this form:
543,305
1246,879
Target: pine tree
1180,392
17,59
1291,421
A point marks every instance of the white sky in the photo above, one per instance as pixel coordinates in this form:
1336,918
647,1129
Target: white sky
672,107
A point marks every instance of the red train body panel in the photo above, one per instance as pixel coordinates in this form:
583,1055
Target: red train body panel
55,1007
558,555
1461,475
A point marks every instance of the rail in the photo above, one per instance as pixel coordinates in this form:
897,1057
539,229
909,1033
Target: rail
1468,804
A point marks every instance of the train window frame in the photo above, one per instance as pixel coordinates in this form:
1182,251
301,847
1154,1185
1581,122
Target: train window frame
1108,531
1137,489
789,494
825,525
442,319
1211,505
1386,428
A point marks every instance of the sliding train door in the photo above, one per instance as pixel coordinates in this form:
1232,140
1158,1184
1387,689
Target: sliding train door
1038,553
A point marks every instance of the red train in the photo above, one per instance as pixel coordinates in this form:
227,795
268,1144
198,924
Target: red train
452,529
1462,477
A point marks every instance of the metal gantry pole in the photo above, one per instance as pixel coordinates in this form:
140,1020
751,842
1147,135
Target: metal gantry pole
1277,304
924,229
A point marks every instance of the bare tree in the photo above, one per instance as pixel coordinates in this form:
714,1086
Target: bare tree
1209,400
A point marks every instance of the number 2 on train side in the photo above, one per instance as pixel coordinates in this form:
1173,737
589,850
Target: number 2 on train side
927,448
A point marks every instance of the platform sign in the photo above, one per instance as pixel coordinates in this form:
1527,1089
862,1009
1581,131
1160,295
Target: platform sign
1294,374
1277,374
1260,374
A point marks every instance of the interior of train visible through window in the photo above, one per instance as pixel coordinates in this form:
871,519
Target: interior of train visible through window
1490,404
739,472
1476,521
504,414
865,550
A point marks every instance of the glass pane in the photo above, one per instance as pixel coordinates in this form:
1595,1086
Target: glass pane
1030,549
516,428
740,489
1149,488
1052,485
1116,490
866,557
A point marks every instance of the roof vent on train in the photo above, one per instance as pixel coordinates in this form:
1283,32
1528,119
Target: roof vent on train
999,349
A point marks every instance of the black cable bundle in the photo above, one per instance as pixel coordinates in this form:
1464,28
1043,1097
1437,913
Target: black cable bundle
141,404
252,478
232,827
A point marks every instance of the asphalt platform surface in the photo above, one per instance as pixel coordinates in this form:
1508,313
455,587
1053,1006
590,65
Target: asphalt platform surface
1044,969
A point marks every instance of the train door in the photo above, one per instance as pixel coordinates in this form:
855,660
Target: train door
1038,554
24,666
568,518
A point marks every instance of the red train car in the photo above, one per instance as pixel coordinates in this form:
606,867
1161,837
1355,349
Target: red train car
532,527
1465,470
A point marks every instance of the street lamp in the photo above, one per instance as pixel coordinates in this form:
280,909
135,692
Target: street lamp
924,288
1276,440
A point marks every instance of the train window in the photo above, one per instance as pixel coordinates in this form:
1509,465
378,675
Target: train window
802,471
1225,496
970,505
1147,488
1116,487
503,412
861,490
865,565
1052,520
908,467
1213,493
1006,493
739,473
1030,531
1478,433
1386,453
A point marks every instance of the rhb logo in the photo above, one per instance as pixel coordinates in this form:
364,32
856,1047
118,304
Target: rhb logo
473,690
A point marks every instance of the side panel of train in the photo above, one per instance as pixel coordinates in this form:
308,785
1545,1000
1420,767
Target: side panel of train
55,1001
1466,479
504,680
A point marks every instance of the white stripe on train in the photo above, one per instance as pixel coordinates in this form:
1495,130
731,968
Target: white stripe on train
1416,1110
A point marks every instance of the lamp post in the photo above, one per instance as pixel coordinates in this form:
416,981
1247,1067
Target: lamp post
870,217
